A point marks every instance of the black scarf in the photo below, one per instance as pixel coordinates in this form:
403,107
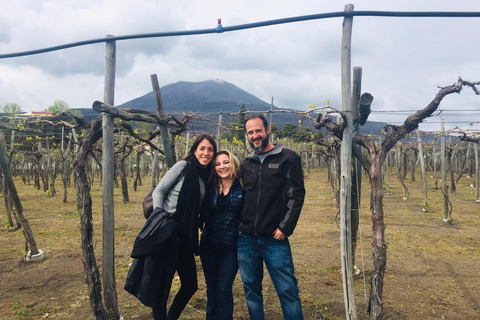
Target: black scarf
188,205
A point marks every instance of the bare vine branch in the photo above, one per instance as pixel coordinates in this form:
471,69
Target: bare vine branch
396,133
468,138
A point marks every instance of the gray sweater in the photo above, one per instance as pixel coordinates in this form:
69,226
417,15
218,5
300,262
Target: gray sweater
165,195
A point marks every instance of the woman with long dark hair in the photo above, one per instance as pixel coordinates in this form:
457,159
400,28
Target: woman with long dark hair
180,193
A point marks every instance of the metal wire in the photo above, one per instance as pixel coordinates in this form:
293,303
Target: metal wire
433,14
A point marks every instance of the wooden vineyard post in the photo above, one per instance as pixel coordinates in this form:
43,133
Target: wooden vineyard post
475,142
446,212
422,169
108,165
346,172
271,115
219,130
154,167
476,171
357,166
187,141
167,148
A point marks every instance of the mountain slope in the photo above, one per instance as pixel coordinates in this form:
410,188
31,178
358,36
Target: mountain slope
205,97
208,98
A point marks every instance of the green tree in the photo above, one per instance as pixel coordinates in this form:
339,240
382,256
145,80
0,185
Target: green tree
240,132
318,135
12,108
77,113
275,130
58,106
302,135
235,126
237,122
289,129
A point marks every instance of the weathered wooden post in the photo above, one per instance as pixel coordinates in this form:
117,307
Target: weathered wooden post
475,145
219,130
63,135
422,169
357,166
271,114
446,215
154,165
12,141
346,170
434,156
167,148
108,164
187,141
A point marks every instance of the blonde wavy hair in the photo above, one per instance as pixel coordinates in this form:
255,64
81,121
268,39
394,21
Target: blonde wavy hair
234,167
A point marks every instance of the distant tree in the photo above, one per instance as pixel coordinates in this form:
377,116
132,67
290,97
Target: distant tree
12,108
79,114
58,106
318,135
240,132
227,135
275,130
235,126
289,129
141,127
302,135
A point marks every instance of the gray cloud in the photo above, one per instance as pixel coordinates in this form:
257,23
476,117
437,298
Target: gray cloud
404,60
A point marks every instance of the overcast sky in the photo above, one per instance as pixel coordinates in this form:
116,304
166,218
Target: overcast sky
404,60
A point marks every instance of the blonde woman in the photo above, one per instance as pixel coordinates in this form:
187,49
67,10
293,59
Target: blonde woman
218,246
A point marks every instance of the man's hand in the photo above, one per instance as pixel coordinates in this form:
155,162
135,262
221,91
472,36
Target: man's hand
279,235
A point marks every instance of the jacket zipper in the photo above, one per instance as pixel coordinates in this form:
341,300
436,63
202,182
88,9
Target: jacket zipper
258,194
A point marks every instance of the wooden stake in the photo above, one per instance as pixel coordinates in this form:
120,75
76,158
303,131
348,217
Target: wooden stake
422,169
167,148
108,164
346,171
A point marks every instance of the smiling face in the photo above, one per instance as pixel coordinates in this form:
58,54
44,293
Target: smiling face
223,167
258,135
204,152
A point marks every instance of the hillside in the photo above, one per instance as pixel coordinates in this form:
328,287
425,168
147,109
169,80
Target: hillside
210,97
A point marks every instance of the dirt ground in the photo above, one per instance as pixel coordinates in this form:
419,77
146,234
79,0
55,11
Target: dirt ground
433,268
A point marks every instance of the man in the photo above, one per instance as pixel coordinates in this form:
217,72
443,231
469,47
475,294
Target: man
273,181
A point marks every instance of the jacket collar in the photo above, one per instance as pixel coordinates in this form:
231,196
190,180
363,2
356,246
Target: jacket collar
276,150
234,184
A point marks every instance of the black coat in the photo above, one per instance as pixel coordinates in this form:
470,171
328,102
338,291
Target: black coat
155,252
274,192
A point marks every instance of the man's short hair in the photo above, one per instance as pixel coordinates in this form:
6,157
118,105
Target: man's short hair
256,116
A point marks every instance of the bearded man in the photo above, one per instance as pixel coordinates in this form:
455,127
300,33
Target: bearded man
274,194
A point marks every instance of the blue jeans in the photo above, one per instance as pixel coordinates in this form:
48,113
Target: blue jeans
252,251
220,269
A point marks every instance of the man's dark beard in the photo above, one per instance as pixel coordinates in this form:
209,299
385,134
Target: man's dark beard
262,146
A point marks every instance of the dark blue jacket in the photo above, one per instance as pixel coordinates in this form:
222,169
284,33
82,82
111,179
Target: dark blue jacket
221,228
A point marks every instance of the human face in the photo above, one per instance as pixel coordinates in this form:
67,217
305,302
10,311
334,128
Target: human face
258,136
204,152
222,167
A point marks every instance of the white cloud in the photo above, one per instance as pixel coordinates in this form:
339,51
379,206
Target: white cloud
403,59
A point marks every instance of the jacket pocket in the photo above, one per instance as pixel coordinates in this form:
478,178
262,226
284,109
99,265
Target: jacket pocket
249,177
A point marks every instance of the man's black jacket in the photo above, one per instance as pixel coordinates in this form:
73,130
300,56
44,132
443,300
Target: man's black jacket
274,192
